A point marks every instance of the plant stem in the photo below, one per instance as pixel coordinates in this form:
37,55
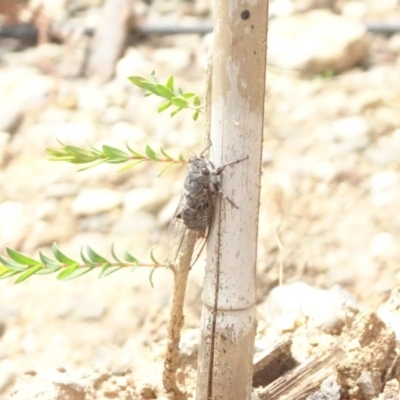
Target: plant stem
237,114
176,319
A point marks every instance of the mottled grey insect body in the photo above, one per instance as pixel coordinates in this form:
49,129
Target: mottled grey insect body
201,186
196,208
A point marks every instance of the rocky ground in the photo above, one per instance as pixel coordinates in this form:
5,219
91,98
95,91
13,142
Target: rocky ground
329,204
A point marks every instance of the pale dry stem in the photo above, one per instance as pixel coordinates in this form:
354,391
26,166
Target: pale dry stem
181,273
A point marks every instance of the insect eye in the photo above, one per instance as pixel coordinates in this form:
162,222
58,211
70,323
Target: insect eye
205,171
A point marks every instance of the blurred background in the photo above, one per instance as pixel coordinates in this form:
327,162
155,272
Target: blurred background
330,187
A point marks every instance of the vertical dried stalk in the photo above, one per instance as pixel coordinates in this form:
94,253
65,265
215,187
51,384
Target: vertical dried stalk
238,88
176,319
181,272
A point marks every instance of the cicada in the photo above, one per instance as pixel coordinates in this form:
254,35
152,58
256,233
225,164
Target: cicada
196,208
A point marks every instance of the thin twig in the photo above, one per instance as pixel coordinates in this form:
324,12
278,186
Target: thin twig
176,319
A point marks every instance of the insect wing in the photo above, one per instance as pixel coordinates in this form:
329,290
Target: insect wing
173,240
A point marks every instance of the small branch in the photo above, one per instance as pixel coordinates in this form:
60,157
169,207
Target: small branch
111,155
176,319
67,268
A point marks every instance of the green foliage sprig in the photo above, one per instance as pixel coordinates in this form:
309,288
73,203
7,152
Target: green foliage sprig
19,264
67,268
173,97
111,155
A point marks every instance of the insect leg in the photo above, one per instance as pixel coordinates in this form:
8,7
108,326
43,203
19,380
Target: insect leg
220,169
218,187
202,153
227,198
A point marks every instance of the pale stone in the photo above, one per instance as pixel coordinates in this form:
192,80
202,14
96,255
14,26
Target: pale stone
95,201
315,42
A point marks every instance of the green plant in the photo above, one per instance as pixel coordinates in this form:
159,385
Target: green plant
67,268
176,98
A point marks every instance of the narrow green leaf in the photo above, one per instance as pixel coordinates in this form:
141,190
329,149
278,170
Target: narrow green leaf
165,154
48,262
151,87
135,153
129,257
12,265
170,83
62,257
164,91
46,271
151,277
104,267
115,155
151,153
196,101
94,150
67,271
69,159
114,255
181,158
180,102
164,106
7,274
3,269
81,156
131,165
108,271
29,272
20,258
180,92
97,258
165,168
138,81
195,116
152,256
188,95
74,274
104,160
175,112
85,259
55,152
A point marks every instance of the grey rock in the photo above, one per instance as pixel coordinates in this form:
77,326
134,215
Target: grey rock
174,60
10,118
369,383
131,223
350,133
384,187
92,96
315,42
91,309
330,389
386,150
95,201
145,199
326,310
123,131
286,7
13,224
132,60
